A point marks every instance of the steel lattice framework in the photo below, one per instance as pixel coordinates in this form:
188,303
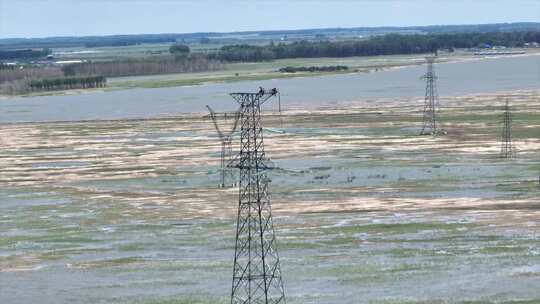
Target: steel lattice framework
228,177
431,122
507,148
256,271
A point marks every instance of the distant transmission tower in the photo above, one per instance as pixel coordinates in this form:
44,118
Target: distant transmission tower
256,271
228,177
431,121
507,149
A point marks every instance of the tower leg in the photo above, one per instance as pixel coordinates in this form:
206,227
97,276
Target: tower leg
223,165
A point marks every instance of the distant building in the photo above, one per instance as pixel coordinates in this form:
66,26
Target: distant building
497,53
532,45
62,62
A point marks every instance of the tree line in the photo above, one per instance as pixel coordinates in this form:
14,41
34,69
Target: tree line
126,40
12,73
311,69
144,66
390,44
24,54
179,49
67,83
83,75
4,66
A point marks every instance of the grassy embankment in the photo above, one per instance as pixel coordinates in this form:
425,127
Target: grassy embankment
235,71
242,71
269,70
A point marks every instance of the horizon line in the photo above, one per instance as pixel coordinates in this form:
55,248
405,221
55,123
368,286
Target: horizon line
278,30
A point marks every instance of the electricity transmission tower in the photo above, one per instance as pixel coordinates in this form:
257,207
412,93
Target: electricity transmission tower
431,122
228,177
256,271
507,149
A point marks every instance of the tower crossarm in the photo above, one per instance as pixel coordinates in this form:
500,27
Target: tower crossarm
263,95
214,121
225,115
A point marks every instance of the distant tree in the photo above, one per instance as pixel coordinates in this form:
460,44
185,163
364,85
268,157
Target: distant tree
204,40
69,70
143,66
24,54
378,45
67,83
179,49
45,52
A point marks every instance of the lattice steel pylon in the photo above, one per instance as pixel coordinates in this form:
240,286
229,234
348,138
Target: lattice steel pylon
431,121
507,148
228,178
256,271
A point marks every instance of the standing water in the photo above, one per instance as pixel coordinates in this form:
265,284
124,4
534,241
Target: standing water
483,76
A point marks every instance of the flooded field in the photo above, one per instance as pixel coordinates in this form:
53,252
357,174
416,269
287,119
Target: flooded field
455,79
366,211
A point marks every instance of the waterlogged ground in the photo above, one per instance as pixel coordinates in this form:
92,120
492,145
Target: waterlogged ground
365,210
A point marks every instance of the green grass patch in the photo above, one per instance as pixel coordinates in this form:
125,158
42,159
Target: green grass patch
396,228
181,299
109,263
504,249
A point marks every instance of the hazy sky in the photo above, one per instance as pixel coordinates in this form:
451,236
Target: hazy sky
39,18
